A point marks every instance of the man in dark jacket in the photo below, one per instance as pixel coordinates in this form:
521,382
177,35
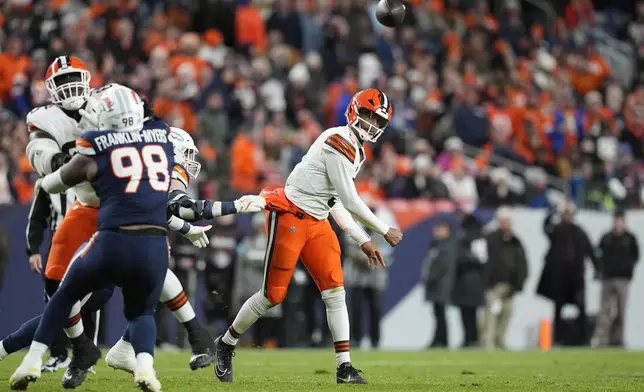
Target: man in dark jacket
562,279
439,274
505,273
618,254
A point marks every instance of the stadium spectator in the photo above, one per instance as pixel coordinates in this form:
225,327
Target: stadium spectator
438,277
506,270
618,255
461,186
562,278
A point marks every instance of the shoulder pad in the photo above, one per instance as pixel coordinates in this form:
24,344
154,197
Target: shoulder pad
52,120
339,144
179,173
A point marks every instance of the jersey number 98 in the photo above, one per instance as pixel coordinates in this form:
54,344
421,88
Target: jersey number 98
127,162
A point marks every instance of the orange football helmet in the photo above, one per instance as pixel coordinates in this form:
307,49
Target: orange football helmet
369,113
67,80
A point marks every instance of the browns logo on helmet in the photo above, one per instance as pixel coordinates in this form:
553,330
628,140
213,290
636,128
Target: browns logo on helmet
67,80
369,113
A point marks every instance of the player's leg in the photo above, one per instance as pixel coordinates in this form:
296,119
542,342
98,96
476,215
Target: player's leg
321,257
142,283
176,300
86,274
58,355
286,237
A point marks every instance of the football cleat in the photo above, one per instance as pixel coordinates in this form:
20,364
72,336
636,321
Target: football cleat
85,356
24,375
347,374
147,381
224,354
54,364
201,360
203,349
121,357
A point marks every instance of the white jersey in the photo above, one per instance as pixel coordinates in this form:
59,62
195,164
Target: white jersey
308,186
62,131
324,181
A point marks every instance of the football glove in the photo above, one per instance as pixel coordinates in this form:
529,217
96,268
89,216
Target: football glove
197,235
91,110
250,203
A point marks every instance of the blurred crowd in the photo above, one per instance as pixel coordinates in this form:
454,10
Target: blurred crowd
255,82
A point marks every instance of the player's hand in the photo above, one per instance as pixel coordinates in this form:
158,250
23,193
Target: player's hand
35,262
91,110
250,203
197,235
393,236
373,254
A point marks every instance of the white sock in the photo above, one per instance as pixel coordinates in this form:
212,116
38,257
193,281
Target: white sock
175,299
3,352
337,316
76,329
36,352
144,362
254,308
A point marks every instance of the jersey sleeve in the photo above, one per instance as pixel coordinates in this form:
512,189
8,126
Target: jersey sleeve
341,146
339,173
179,173
84,146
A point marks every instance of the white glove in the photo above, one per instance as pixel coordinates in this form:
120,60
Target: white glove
197,235
91,110
250,203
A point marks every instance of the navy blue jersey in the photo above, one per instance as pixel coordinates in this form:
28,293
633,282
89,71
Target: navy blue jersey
133,174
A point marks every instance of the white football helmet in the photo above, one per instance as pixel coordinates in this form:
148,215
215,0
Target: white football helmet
185,151
120,109
67,81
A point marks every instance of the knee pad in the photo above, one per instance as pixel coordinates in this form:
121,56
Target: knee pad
334,298
275,295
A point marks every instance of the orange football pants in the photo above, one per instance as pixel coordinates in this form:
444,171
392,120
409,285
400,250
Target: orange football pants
77,227
291,237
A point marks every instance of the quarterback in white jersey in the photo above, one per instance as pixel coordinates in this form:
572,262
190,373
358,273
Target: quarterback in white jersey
322,184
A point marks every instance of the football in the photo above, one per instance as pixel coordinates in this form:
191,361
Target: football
390,13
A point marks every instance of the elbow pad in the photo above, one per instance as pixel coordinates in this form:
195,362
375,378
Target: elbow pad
43,154
185,207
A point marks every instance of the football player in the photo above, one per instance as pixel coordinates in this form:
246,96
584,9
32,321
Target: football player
129,166
298,227
53,131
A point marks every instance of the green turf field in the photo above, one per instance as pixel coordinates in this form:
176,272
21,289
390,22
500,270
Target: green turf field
313,370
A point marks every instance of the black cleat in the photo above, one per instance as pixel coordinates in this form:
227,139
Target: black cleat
224,354
347,374
203,349
202,359
85,355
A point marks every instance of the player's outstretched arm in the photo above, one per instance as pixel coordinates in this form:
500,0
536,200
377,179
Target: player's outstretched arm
339,173
180,204
80,169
